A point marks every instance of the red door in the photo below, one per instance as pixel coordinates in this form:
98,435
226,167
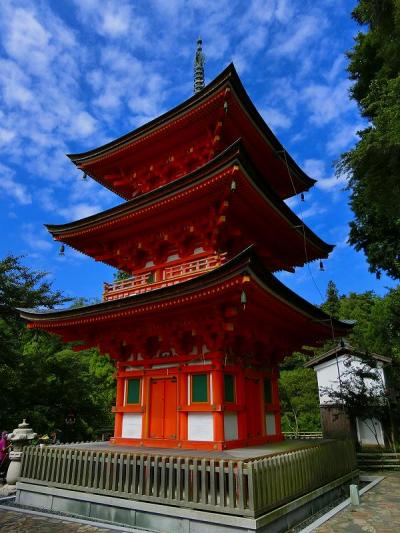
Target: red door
253,407
163,408
170,411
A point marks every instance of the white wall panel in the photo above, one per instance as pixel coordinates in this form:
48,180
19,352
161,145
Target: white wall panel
230,426
270,424
200,426
370,432
132,426
328,375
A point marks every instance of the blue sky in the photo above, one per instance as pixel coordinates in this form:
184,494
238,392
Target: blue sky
78,73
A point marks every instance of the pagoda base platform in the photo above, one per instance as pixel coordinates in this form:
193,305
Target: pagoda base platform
270,487
171,445
244,453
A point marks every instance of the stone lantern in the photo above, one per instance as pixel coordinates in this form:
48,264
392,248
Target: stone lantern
20,437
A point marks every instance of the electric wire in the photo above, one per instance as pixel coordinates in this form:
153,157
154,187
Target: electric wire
308,266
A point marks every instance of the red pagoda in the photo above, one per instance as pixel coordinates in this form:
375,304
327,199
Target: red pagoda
200,327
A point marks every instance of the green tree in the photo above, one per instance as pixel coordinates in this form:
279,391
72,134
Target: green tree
373,165
82,302
363,395
359,307
42,378
120,275
376,329
332,302
298,390
22,287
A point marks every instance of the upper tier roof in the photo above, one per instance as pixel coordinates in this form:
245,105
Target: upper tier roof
275,311
254,210
114,163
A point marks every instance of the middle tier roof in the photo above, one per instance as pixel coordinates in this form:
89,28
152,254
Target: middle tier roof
224,205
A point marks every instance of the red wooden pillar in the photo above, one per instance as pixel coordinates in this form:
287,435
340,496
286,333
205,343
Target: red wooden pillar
275,399
241,401
158,275
182,403
146,407
119,403
218,401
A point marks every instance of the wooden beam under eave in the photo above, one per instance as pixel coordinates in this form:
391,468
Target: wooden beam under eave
122,181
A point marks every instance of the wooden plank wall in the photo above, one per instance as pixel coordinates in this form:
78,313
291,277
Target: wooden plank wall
245,488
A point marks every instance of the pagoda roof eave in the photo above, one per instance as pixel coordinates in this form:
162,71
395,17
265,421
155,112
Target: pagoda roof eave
150,197
245,263
234,154
228,75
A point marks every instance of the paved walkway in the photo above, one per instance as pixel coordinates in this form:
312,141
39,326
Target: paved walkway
379,511
14,522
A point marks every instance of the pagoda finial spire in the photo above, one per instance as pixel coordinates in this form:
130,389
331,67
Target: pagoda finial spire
199,68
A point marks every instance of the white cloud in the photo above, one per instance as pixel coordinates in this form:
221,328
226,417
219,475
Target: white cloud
44,104
46,199
332,184
283,90
292,202
37,238
315,168
170,8
312,210
299,35
276,119
6,135
124,80
83,125
326,102
115,23
12,188
114,19
79,210
15,85
337,67
283,10
345,135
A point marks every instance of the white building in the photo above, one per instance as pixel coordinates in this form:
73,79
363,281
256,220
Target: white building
333,369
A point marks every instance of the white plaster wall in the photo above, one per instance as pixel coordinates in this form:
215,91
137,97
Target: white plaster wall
230,426
200,426
132,425
328,374
367,435
270,424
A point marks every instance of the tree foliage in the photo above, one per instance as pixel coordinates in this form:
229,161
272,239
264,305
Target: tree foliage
22,287
299,399
43,379
363,395
121,275
332,302
373,165
377,329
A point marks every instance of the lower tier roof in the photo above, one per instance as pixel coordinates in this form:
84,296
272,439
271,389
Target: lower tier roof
239,306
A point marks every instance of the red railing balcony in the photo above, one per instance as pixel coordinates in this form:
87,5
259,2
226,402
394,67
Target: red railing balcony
157,277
